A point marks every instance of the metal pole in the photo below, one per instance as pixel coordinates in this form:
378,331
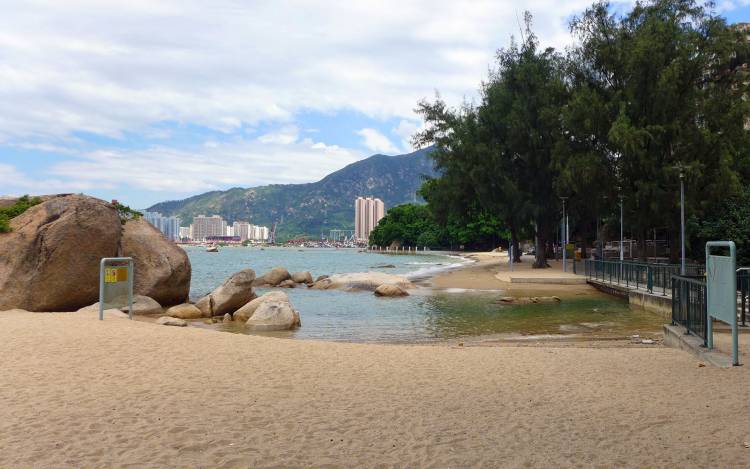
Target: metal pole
622,256
564,241
682,221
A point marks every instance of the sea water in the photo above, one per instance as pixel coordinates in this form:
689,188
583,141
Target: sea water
427,315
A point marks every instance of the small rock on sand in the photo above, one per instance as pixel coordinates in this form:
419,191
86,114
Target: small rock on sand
170,321
184,311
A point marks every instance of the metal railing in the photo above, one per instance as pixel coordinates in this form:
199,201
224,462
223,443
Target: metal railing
689,305
743,288
649,276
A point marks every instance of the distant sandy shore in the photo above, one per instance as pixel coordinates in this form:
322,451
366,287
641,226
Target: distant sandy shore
483,275
77,392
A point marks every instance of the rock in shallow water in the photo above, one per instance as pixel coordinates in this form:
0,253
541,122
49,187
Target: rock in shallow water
390,291
273,316
231,295
368,281
274,277
244,313
302,277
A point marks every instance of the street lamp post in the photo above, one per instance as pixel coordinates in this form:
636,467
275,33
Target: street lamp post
564,237
622,252
682,220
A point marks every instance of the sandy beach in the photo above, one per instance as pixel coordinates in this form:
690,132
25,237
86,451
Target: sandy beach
77,392
489,271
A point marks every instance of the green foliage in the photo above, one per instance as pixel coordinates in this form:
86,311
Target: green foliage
643,94
731,221
416,226
126,213
21,205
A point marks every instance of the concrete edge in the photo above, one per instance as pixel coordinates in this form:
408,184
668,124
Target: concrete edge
549,280
675,337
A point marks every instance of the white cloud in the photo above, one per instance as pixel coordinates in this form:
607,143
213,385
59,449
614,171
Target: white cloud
284,136
377,142
113,67
210,166
406,129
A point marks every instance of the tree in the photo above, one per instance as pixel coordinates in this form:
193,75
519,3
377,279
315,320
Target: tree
500,153
658,83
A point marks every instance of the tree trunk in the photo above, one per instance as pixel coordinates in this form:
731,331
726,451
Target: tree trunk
540,257
514,243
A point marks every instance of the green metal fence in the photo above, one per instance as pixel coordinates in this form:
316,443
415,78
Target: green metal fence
743,287
654,277
689,305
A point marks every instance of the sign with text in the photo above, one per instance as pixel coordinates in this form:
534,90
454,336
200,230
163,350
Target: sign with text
116,284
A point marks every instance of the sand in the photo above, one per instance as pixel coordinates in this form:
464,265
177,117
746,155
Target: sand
490,271
76,392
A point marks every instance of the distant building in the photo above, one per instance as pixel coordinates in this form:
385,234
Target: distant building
184,233
247,231
204,226
367,213
170,226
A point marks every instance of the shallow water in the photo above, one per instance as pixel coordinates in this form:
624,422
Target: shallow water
211,269
425,316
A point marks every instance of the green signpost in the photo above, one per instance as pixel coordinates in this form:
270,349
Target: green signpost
116,284
721,292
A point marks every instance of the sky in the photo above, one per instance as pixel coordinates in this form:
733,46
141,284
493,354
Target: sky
145,100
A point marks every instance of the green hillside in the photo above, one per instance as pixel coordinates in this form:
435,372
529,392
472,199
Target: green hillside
314,208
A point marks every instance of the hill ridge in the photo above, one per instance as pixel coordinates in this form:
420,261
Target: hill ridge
312,208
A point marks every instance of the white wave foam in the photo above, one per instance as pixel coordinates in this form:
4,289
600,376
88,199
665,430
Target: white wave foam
435,269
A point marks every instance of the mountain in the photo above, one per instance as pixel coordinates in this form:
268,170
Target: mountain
317,207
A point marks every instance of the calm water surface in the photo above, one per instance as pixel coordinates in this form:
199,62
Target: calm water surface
425,316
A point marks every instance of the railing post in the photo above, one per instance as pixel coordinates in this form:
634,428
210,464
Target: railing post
650,280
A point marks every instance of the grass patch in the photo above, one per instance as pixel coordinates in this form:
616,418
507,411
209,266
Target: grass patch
22,204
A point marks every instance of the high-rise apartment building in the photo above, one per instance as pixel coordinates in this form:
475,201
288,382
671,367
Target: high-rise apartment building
170,226
247,231
367,213
204,226
184,233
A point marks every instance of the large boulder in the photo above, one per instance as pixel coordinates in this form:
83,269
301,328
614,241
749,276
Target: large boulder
273,316
368,281
244,313
184,311
274,277
230,296
302,277
390,291
49,261
162,269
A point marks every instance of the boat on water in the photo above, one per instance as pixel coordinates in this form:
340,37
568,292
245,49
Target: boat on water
212,248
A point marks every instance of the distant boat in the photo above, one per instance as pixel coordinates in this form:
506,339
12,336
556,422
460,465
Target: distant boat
212,249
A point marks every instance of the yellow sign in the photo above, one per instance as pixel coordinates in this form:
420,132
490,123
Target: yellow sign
115,274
